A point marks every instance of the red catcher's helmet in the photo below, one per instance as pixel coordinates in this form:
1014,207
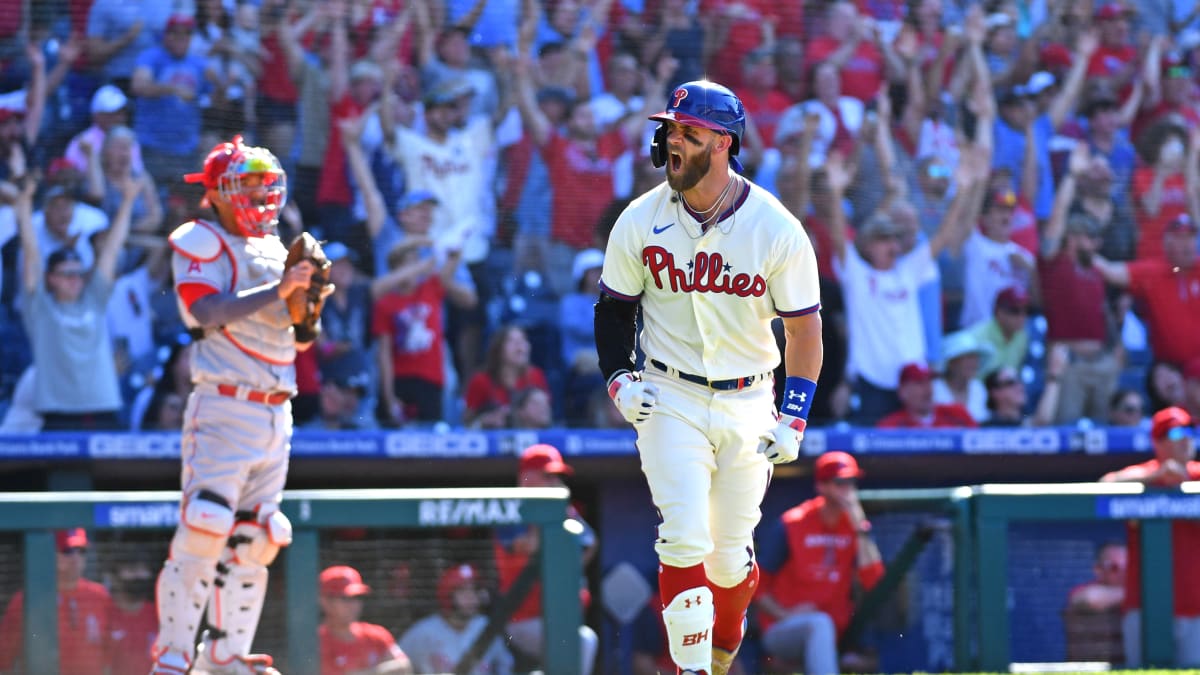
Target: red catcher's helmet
453,579
250,179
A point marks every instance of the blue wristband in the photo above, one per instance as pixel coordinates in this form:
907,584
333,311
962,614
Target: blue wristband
798,397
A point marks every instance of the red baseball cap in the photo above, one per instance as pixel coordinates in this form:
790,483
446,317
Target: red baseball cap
836,464
343,581
180,20
453,579
1055,56
1167,419
915,372
1182,222
1013,297
1114,10
75,537
544,457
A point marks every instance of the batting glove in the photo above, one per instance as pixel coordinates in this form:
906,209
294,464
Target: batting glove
782,444
634,398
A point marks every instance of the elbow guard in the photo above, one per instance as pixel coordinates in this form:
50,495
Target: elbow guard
614,322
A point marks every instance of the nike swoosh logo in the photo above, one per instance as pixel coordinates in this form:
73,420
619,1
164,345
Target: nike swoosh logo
664,228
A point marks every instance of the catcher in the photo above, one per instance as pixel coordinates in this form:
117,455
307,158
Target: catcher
250,304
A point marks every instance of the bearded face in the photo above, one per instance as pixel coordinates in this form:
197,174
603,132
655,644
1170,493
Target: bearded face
684,173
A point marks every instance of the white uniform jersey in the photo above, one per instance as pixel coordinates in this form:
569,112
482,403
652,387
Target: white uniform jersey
434,646
458,172
708,297
258,350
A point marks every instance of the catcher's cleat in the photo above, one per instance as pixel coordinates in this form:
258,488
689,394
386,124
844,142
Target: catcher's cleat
250,664
171,662
722,661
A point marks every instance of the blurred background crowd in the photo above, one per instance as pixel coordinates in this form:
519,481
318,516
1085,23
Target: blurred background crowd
1002,195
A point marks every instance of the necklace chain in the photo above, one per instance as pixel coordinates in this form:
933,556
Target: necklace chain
713,210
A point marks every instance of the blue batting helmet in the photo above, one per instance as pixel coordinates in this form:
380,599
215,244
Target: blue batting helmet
707,105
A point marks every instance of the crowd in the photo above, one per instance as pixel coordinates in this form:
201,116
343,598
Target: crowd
1002,196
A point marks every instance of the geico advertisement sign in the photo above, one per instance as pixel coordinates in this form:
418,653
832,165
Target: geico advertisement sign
1032,441
133,446
435,512
417,444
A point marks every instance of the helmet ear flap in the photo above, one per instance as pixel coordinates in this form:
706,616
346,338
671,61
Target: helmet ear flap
658,147
735,144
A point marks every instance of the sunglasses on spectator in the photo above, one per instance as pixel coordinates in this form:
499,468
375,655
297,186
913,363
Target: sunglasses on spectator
1178,434
74,550
1009,309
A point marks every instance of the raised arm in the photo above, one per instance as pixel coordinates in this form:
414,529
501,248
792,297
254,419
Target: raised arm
94,174
654,100
839,176
795,176
114,237
535,121
339,51
384,47
1057,358
152,220
35,93
457,293
1052,236
970,177
31,255
100,51
289,38
1064,102
427,34
360,169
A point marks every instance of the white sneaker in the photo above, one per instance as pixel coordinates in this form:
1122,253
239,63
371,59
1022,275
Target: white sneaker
251,664
171,662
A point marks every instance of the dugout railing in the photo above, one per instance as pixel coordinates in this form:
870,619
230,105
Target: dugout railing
36,515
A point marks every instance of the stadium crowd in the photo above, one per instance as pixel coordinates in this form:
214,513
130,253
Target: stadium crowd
1002,196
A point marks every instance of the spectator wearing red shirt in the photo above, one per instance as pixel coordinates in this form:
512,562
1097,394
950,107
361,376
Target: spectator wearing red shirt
580,162
740,27
1171,94
764,102
812,559
1075,304
84,608
1168,290
850,44
133,624
541,465
917,408
1116,58
349,646
506,370
1161,189
408,322
1174,462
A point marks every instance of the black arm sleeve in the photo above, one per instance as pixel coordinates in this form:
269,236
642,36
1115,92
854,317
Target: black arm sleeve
614,324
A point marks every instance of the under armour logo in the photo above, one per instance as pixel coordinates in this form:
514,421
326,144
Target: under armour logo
678,97
687,602
800,395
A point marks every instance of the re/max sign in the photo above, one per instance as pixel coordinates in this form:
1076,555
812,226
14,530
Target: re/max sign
435,512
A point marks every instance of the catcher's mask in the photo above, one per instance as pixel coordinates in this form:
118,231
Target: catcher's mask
248,178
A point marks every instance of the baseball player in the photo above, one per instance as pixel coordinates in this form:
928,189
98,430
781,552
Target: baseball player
236,285
711,259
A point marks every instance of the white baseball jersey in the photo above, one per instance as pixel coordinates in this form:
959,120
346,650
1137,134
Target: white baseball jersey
434,646
258,350
708,297
458,172
989,270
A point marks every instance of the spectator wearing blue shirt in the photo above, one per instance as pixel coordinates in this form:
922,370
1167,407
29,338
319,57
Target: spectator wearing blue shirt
118,31
579,335
170,84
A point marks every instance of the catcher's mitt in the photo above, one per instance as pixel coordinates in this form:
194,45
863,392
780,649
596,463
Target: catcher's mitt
304,305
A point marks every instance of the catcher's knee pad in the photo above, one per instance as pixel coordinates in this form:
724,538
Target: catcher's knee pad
259,534
204,526
689,621
183,589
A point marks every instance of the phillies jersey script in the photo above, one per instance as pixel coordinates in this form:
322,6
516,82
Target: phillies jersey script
708,297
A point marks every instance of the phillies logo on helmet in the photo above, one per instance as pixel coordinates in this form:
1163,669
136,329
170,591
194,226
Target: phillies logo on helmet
678,96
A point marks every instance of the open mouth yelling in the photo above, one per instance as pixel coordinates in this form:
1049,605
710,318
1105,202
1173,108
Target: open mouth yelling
676,163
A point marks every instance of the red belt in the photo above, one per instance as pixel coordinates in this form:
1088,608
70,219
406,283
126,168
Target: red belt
264,397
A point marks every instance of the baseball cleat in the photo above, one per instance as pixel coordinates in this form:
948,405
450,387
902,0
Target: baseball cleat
171,663
722,661
250,664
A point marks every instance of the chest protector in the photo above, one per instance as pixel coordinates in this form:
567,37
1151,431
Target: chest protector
240,264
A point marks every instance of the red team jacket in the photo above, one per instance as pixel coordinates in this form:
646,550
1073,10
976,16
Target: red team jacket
372,645
820,567
83,632
1185,551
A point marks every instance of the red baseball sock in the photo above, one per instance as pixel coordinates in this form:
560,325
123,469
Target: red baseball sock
674,580
731,605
